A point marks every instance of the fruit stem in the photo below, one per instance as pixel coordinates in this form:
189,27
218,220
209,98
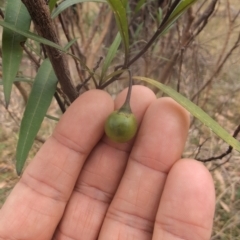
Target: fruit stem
126,104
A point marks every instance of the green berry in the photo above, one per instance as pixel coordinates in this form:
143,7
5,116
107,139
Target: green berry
121,126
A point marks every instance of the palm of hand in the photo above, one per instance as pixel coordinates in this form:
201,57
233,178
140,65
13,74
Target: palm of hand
80,186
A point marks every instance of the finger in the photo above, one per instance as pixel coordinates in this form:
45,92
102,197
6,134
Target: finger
187,205
159,144
36,204
100,177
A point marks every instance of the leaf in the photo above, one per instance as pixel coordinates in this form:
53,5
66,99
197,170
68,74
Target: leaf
43,89
111,54
121,18
52,117
17,15
31,35
113,74
20,79
196,112
69,44
39,39
66,4
159,15
177,12
124,3
180,8
137,32
139,5
52,4
34,48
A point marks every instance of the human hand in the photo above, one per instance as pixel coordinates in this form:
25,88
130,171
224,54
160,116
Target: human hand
81,185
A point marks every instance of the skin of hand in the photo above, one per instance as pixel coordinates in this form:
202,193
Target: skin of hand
82,186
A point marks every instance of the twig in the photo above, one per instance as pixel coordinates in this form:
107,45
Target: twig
216,72
229,150
60,92
66,32
200,147
40,139
91,76
1,13
230,26
30,55
148,45
220,164
79,23
94,28
180,71
41,17
11,114
60,103
91,57
17,120
23,92
203,20
157,33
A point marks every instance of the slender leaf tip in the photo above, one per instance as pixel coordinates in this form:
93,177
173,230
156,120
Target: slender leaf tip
6,104
19,171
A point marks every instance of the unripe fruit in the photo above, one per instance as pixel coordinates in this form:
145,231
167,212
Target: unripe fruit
121,125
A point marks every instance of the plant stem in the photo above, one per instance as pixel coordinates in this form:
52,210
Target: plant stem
126,106
40,15
160,29
127,101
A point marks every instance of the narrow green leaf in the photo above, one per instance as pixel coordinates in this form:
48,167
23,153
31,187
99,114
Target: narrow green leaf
31,35
177,12
113,75
52,4
180,8
69,44
42,40
159,15
137,32
35,48
124,3
111,54
20,79
17,15
52,117
43,89
139,5
195,111
120,14
66,4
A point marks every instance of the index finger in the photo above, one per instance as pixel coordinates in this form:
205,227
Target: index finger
36,204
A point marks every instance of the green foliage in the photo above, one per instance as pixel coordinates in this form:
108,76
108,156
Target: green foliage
43,89
119,10
139,5
114,74
30,35
110,55
17,15
52,4
20,79
177,12
66,4
195,111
